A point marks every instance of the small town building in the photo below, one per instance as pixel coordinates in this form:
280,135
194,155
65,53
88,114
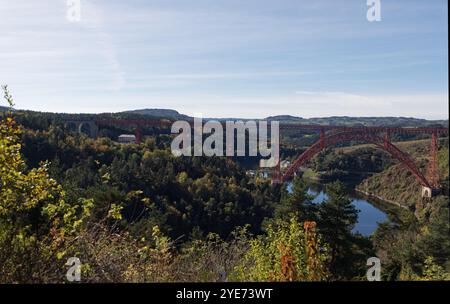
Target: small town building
127,139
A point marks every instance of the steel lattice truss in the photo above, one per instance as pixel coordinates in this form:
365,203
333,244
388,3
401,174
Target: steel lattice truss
355,136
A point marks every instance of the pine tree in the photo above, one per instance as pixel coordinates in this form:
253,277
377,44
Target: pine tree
337,218
295,201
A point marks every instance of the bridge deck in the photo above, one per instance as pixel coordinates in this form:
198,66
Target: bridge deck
287,126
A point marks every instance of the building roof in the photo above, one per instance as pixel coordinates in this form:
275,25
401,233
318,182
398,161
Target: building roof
127,136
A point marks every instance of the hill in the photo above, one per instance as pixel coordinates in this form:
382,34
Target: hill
398,185
361,121
287,118
171,114
160,113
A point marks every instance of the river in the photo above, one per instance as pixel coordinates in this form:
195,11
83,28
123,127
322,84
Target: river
368,216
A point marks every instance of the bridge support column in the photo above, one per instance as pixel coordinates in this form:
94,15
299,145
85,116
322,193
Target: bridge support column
433,172
387,138
276,173
138,134
428,192
94,129
322,138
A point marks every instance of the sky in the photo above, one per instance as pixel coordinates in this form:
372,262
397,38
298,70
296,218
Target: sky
227,58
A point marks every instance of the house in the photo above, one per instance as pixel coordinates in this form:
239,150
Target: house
127,139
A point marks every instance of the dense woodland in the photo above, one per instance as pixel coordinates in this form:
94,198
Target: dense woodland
136,213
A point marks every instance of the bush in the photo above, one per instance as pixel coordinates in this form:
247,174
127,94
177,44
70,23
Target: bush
287,252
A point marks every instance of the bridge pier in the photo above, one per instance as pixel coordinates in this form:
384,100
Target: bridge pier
276,174
428,192
322,138
387,138
433,172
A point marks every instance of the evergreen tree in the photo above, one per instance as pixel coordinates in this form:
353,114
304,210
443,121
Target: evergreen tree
337,217
295,201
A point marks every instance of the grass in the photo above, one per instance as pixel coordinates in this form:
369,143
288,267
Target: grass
309,173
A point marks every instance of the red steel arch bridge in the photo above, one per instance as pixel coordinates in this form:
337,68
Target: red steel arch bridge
379,136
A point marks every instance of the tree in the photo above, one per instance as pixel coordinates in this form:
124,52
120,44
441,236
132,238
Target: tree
337,217
35,219
295,201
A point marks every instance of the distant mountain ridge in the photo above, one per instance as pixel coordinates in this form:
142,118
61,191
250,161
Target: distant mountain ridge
152,113
360,121
161,113
332,120
286,118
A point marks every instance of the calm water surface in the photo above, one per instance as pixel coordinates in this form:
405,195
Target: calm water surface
368,217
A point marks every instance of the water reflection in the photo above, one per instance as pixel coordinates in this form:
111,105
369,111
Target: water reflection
368,217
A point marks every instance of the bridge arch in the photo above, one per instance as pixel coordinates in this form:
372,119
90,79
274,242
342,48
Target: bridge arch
85,127
346,136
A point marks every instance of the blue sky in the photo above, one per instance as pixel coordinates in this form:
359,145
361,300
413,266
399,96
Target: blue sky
228,58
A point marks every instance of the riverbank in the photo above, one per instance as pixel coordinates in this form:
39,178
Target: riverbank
385,205
372,210
354,184
380,199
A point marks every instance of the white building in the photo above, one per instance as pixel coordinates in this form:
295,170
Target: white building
127,139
